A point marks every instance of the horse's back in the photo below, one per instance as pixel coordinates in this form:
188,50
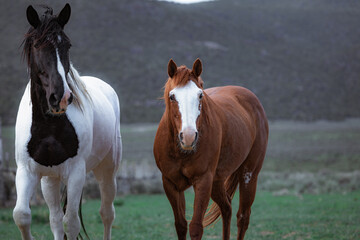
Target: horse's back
100,90
232,93
237,99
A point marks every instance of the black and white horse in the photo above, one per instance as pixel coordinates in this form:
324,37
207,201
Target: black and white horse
66,126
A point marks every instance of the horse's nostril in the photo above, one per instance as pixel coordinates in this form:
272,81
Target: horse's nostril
71,98
54,100
181,135
196,136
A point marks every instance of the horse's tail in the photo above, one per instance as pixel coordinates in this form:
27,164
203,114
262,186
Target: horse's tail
64,199
214,212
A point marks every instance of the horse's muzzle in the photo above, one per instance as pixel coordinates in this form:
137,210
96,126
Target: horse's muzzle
63,104
188,139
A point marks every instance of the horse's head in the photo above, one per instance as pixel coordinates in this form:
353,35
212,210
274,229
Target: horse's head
183,97
47,52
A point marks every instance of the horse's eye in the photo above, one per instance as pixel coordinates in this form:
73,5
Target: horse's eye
200,96
172,97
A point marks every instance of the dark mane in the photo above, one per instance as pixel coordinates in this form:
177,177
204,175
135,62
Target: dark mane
45,34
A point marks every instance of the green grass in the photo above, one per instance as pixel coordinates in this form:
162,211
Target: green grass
321,158
323,216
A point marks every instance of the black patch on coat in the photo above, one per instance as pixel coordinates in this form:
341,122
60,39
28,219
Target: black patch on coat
53,137
52,141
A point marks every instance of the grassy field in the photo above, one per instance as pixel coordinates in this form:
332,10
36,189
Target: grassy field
308,188
323,216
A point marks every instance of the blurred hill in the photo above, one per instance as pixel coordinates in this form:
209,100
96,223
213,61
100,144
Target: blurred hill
301,58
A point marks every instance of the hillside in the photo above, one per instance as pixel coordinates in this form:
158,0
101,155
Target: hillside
302,58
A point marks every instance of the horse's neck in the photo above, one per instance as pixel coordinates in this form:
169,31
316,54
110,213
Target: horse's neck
208,110
38,101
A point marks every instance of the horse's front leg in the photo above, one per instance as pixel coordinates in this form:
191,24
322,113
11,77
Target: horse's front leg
177,201
202,188
51,191
26,183
75,184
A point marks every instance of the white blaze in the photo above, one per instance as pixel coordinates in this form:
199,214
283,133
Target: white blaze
188,100
61,71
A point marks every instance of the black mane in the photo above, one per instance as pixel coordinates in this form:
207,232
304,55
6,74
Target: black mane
44,35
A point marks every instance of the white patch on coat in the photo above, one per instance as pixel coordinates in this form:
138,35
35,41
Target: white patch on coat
247,177
188,101
61,71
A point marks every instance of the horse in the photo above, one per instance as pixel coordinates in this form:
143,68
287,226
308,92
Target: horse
213,140
66,126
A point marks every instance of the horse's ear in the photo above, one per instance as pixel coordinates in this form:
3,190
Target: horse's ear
197,67
64,15
32,16
172,68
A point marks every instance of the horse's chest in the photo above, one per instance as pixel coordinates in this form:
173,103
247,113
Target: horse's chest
53,142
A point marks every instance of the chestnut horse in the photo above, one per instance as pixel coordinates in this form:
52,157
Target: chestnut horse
213,140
